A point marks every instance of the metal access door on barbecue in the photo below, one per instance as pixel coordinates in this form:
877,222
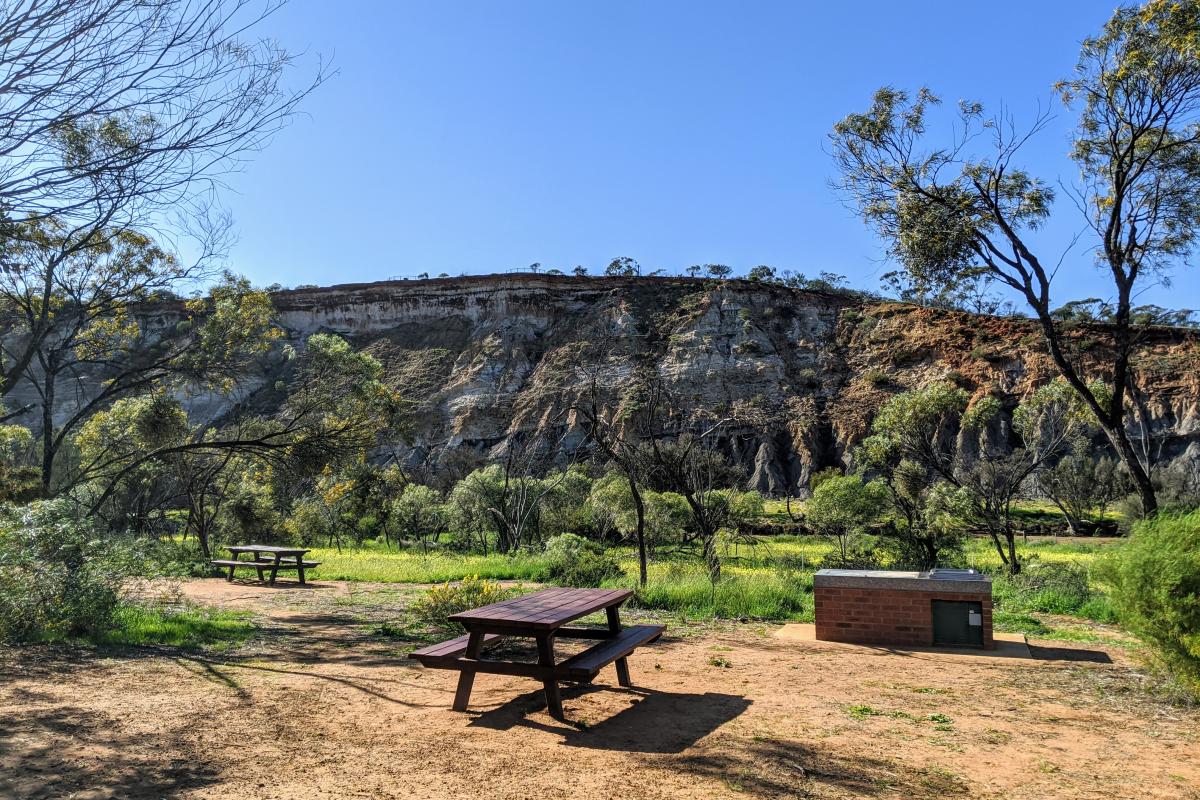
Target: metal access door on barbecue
958,623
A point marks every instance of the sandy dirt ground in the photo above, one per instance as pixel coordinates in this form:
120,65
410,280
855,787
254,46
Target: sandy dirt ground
321,706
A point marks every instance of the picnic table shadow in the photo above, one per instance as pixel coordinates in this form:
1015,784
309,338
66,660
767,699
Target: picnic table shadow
655,722
286,583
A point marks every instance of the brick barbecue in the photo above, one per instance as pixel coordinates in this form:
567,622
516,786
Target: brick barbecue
951,607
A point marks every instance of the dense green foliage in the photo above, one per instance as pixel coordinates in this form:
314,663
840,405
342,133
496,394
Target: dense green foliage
1053,587
1155,584
64,578
843,507
574,561
59,578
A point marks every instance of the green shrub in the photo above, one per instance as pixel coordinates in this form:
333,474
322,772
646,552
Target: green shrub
575,561
59,577
434,609
1050,587
179,558
876,378
1155,588
820,476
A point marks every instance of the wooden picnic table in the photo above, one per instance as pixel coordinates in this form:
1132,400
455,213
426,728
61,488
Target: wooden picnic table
542,616
267,557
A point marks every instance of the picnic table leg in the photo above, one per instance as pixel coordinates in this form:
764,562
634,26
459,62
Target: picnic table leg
258,569
614,627
623,672
274,568
229,577
545,644
300,568
466,678
614,619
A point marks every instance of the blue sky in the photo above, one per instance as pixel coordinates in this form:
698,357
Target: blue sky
481,136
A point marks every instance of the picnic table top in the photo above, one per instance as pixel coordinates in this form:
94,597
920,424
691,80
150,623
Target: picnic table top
544,610
266,548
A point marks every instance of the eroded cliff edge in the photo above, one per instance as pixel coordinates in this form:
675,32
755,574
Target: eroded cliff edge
801,373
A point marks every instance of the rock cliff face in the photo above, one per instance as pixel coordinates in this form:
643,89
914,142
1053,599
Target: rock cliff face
490,359
800,374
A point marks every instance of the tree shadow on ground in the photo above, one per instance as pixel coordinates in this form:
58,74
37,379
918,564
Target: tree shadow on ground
766,767
324,637
653,722
224,673
1062,653
66,751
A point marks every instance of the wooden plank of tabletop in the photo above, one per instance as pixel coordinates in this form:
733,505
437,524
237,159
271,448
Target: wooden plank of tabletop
265,548
514,605
516,608
582,606
545,613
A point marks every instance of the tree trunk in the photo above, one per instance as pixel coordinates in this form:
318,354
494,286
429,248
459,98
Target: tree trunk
202,537
48,437
999,546
1112,419
640,506
1141,479
711,558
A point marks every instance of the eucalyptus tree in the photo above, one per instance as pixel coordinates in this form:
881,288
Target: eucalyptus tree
119,116
102,343
913,449
614,419
940,455
336,407
947,210
844,506
623,267
18,481
507,497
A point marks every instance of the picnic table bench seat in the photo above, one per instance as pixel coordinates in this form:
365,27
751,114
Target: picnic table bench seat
437,655
584,665
221,562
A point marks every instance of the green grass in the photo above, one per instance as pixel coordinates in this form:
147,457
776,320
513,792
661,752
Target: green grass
765,595
860,711
1037,627
188,628
374,562
770,579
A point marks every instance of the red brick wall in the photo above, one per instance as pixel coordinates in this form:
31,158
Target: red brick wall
886,616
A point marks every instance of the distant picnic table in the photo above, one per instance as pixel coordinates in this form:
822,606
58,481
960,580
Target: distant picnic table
266,558
542,616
